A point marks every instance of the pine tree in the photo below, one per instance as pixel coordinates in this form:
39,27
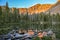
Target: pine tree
7,8
0,10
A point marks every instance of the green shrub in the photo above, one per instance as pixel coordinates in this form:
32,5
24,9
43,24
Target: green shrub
47,38
37,38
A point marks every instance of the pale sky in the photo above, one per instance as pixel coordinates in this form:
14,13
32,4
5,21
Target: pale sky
25,3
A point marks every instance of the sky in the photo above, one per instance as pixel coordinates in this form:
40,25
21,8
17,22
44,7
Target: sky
25,3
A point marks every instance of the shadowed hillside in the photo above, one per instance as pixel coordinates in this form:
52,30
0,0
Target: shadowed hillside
55,8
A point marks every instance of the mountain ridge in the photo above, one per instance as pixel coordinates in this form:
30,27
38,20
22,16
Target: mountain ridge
38,8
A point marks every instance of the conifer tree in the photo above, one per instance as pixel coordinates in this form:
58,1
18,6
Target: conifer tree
0,10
